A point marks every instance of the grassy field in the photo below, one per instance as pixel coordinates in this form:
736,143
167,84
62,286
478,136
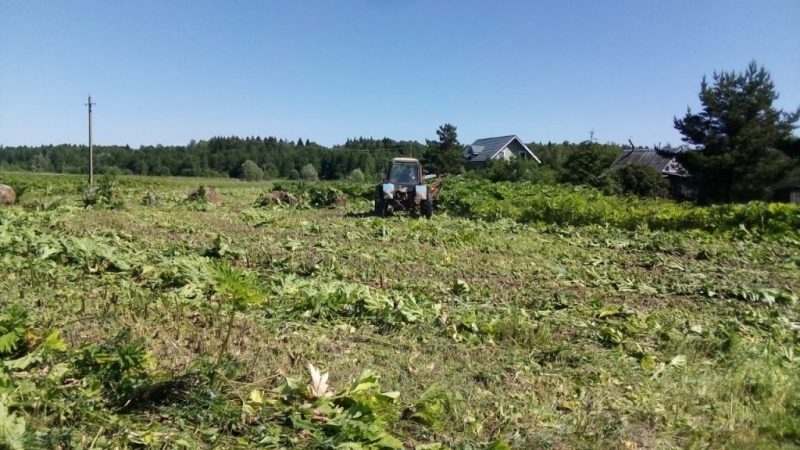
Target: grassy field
151,319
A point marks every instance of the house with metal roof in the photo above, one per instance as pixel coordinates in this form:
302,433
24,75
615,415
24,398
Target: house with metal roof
662,162
497,148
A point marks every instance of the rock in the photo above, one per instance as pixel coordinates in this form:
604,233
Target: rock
7,195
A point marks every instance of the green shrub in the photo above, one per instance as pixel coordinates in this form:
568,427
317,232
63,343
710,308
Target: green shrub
104,195
119,365
114,171
250,171
580,205
587,165
356,176
642,181
308,173
516,170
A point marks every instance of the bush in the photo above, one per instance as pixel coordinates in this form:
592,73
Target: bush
104,195
579,205
642,181
325,195
161,171
113,171
586,165
210,173
308,173
317,195
203,195
516,170
356,176
150,198
270,171
353,191
250,171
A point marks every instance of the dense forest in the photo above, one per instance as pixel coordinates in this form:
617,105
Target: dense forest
218,156
276,158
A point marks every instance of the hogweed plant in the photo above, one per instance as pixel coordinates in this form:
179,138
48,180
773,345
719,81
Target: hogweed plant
235,289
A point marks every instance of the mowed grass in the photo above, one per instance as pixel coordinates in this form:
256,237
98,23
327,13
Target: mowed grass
534,336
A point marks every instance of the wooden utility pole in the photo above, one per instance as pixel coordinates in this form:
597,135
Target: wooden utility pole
91,155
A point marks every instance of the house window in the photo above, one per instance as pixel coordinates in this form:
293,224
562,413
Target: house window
794,197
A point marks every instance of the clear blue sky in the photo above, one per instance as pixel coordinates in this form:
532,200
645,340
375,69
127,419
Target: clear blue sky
170,71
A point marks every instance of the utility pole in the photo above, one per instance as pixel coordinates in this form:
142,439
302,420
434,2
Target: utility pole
91,156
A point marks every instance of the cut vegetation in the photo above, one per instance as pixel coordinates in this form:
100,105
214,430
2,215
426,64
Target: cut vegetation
284,316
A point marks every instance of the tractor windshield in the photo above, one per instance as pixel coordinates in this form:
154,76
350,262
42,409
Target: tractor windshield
403,174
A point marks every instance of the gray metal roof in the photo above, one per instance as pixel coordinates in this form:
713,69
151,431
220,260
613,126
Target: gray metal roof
484,149
649,157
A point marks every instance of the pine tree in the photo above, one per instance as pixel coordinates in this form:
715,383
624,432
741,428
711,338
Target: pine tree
736,133
446,155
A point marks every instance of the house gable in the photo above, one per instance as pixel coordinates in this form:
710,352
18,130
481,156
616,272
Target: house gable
521,150
502,147
665,165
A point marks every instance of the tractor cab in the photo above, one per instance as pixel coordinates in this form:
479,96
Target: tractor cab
404,189
404,172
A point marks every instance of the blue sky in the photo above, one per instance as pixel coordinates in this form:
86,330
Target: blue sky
165,72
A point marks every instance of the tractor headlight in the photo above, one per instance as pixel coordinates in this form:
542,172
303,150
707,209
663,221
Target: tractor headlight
388,190
422,192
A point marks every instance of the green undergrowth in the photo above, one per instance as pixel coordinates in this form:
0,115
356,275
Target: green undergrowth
560,205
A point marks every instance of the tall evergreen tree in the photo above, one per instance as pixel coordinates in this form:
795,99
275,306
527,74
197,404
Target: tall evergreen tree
736,132
447,155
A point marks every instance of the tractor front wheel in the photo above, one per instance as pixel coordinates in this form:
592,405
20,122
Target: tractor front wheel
427,207
380,204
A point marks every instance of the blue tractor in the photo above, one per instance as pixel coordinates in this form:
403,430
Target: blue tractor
404,188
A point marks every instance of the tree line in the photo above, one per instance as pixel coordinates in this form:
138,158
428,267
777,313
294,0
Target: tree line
215,157
256,157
